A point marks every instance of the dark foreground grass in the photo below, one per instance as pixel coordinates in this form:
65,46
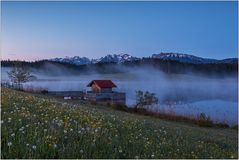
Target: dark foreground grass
40,127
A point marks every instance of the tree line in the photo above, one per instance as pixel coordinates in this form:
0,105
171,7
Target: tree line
166,66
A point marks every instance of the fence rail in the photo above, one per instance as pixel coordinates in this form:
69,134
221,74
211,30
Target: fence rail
16,86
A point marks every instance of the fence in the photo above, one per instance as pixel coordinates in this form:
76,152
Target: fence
16,86
111,97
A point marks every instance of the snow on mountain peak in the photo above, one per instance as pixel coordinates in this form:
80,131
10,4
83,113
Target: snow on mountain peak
121,58
183,58
117,58
110,58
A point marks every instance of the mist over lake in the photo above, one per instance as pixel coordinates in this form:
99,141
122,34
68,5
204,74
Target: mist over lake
187,95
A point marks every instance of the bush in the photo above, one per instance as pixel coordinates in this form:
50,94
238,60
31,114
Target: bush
204,121
44,91
222,125
145,99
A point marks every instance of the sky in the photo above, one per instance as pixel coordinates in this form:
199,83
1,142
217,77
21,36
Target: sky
41,30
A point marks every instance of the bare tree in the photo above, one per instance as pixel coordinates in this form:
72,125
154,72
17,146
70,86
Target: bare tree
20,74
145,98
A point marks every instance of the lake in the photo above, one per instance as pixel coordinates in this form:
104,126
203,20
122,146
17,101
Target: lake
217,98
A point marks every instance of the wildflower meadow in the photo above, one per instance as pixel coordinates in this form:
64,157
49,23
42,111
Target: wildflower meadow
37,126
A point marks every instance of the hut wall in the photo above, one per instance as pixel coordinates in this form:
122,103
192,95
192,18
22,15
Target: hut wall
111,97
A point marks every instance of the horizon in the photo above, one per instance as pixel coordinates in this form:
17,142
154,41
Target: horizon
150,56
42,30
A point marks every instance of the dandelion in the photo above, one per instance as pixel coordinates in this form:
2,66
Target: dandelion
21,129
152,155
9,119
34,147
9,144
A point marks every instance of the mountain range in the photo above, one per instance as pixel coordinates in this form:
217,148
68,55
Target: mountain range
121,58
115,58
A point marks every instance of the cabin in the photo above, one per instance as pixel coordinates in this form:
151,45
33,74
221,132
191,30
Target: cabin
102,91
101,86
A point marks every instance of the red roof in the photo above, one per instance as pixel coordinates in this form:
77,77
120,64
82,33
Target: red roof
102,83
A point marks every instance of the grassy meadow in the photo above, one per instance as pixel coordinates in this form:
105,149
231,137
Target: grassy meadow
37,126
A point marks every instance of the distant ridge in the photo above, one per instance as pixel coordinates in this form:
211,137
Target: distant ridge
121,58
191,58
115,58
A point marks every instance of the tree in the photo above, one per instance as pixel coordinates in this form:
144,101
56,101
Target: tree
145,98
19,75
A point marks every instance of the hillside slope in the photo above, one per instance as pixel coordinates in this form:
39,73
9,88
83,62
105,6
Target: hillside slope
35,126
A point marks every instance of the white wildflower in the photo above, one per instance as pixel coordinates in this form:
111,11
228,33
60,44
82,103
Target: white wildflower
9,144
152,155
9,119
34,147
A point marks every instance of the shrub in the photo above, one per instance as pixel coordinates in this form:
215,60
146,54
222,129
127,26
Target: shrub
222,125
204,121
145,99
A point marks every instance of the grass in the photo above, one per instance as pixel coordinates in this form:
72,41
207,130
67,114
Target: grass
202,120
34,126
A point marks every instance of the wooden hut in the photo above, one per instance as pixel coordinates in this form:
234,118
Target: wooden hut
101,85
101,91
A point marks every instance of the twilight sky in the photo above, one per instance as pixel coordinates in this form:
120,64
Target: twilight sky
39,30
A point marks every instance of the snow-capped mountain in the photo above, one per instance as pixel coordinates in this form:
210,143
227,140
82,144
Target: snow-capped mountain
121,58
115,58
118,58
73,60
191,59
